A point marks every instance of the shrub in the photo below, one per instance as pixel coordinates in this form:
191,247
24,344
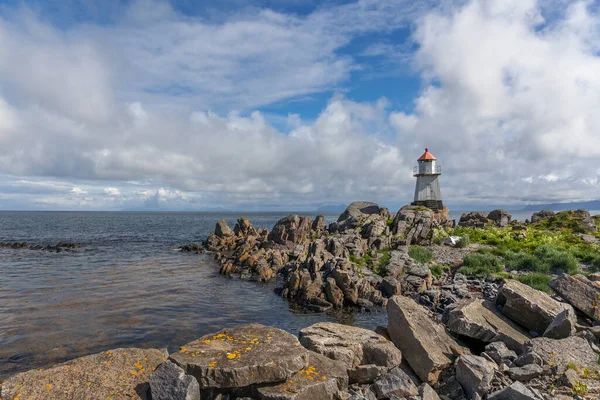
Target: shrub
537,281
463,242
522,261
480,265
420,254
556,259
436,270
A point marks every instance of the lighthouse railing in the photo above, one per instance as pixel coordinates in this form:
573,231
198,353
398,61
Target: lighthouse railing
425,171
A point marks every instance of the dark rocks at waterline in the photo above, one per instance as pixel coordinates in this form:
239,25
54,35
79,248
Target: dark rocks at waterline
57,248
192,248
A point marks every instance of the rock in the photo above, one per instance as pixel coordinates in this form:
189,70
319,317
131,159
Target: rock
395,266
424,342
350,345
580,292
222,229
344,282
528,307
169,382
516,391
479,319
242,356
540,215
367,373
395,384
595,277
474,374
499,352
475,219
527,358
449,388
358,214
390,287
334,294
559,353
323,378
563,325
500,218
525,373
120,372
291,230
318,224
427,393
452,240
570,378
416,223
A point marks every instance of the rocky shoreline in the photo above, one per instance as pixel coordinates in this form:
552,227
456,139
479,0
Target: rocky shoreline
454,332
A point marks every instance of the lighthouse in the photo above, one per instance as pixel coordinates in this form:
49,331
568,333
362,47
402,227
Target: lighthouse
427,190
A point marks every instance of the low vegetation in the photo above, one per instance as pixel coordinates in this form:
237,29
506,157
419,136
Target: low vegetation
420,254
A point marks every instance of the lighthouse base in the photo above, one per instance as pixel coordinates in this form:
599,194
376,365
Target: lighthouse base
434,205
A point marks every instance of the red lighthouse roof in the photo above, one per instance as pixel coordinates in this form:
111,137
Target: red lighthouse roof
427,156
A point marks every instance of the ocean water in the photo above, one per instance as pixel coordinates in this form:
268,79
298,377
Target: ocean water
126,286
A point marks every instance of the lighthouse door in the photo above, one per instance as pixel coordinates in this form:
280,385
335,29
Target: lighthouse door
428,193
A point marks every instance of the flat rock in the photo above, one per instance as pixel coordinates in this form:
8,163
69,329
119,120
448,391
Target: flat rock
427,393
528,307
560,353
580,292
474,374
525,373
516,391
321,379
169,382
425,344
351,345
479,319
242,356
112,374
395,384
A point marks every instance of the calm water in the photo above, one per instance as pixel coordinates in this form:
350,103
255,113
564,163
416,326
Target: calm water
127,286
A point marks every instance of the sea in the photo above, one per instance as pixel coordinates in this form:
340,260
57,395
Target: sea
128,285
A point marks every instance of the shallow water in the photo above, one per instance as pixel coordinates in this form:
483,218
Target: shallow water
127,286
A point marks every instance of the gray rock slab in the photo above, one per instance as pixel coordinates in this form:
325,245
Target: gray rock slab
474,374
170,382
563,325
525,373
580,292
560,353
516,391
395,383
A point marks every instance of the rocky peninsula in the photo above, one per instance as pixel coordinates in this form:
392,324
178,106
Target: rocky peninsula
487,308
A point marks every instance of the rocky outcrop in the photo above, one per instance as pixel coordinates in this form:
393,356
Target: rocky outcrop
580,292
291,230
365,354
424,342
479,319
541,215
500,218
359,214
123,372
416,224
528,307
475,219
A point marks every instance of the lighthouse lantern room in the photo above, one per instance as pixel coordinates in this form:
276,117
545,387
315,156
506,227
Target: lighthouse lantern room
427,190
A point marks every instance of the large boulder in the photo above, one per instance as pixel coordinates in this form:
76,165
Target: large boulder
475,374
291,230
474,219
500,218
396,384
242,356
222,229
558,354
528,307
516,391
354,347
366,215
112,374
323,378
541,215
479,319
416,223
424,343
563,325
580,292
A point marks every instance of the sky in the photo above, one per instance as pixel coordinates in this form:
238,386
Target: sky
296,104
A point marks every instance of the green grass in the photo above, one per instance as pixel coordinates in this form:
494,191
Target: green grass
420,254
362,261
537,281
481,265
463,242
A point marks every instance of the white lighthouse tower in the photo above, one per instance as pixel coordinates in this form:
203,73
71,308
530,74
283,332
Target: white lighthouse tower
427,190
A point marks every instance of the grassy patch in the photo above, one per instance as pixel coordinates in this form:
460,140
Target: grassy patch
463,242
362,261
420,254
537,281
481,265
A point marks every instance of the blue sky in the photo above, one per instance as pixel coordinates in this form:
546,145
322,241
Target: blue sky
184,104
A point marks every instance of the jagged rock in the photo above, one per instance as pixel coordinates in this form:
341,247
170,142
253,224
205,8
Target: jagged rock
222,229
516,391
580,292
570,378
318,224
475,219
334,294
479,319
540,215
120,372
351,345
244,228
475,374
500,218
414,222
322,378
499,352
344,282
242,356
427,393
525,373
449,388
527,358
367,373
291,230
424,342
396,264
528,307
559,353
390,287
395,384
563,325
169,382
362,214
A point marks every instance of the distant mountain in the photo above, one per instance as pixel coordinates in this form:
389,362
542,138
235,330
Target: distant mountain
332,207
584,205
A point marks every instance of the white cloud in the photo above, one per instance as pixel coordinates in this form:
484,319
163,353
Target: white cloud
110,191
